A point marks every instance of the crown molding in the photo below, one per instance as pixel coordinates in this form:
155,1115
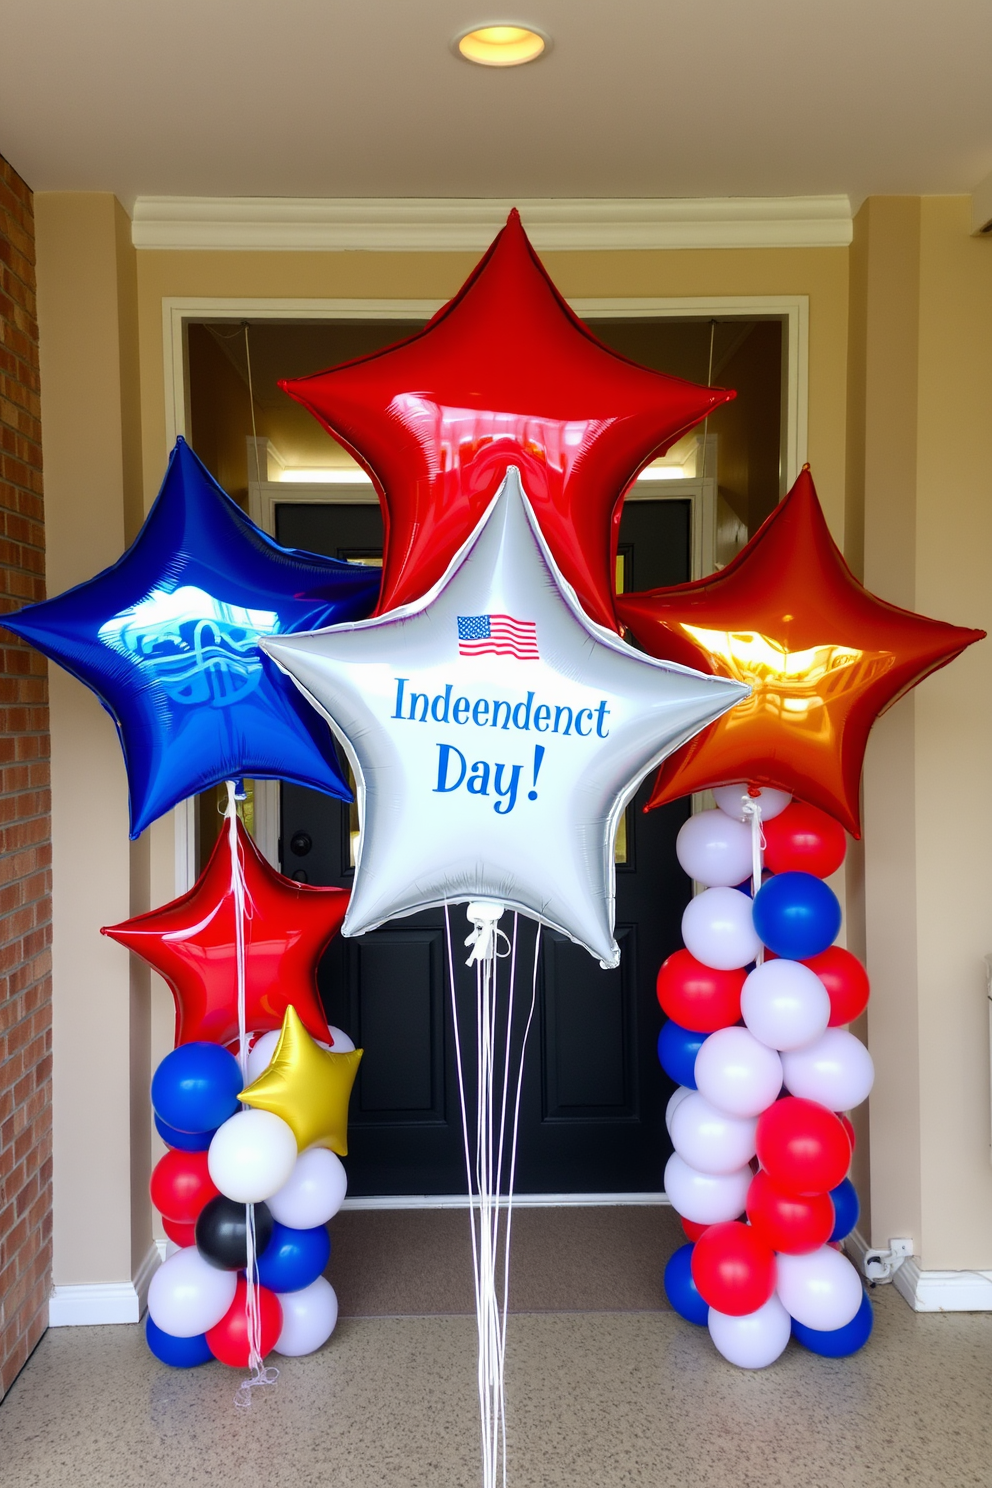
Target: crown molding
442,224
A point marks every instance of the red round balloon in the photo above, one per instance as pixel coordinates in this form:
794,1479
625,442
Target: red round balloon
693,1230
179,1234
848,1126
846,982
228,1339
802,1146
181,1185
698,996
786,1222
733,1268
804,839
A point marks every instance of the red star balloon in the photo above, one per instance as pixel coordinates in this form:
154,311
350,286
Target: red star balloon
504,374
190,942
823,656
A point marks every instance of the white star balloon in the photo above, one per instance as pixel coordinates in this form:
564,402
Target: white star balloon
496,734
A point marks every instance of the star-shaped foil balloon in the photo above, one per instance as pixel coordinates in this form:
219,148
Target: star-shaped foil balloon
822,655
496,734
191,943
504,374
168,640
308,1087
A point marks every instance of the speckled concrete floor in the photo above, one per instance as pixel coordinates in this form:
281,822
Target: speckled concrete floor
594,1401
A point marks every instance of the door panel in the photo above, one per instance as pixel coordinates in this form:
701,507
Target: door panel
593,1096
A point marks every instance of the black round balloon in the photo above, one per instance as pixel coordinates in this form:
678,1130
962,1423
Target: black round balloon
221,1233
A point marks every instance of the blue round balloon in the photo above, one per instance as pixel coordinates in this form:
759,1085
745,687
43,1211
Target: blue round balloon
838,1342
181,1353
196,1087
184,1141
681,1290
294,1258
677,1050
796,915
847,1209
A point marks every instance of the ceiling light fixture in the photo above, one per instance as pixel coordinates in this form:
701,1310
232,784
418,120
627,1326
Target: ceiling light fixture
501,46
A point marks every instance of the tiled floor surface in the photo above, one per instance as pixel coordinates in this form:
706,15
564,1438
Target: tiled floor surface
595,1400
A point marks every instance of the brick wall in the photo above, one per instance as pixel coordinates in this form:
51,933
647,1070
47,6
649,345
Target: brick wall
25,824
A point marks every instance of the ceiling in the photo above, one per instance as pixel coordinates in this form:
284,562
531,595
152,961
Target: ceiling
638,98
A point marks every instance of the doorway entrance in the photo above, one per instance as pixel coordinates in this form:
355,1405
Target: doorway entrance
592,1111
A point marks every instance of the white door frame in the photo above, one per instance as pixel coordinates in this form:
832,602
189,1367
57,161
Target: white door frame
178,311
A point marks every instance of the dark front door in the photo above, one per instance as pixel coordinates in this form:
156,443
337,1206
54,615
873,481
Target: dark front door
592,1109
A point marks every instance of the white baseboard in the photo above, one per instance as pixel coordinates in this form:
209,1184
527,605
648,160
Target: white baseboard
104,1302
943,1291
931,1291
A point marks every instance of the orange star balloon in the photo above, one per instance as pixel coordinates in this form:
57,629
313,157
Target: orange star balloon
190,942
504,375
822,655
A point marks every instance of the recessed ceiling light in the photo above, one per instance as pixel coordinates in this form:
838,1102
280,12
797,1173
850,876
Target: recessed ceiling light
501,46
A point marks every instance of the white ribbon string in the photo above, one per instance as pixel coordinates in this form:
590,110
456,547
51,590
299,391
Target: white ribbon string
259,1374
751,808
484,1174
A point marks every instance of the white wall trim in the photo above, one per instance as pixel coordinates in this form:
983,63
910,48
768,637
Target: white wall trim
931,1291
104,1302
454,224
520,1201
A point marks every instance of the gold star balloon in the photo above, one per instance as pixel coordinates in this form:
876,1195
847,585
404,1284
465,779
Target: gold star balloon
308,1087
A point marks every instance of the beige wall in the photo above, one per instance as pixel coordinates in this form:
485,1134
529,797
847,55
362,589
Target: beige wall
87,318
903,371
921,452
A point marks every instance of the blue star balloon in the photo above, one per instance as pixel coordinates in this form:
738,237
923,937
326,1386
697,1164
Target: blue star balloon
168,636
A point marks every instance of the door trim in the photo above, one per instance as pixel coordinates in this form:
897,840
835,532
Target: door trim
178,311
520,1201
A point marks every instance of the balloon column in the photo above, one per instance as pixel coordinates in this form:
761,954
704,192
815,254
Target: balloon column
760,997
755,1121
246,1195
252,1175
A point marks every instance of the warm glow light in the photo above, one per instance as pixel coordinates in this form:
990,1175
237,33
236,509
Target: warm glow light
663,472
331,477
501,46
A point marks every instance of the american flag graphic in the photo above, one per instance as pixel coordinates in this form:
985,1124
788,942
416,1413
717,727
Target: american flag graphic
497,635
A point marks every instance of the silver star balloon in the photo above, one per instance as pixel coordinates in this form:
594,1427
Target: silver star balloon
496,734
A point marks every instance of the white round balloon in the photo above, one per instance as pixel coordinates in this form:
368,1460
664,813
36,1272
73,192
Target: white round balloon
731,798
737,1074
676,1098
718,929
836,1070
709,1140
821,1289
308,1318
714,850
342,1043
755,1340
314,1191
784,1004
187,1295
251,1156
260,1055
705,1198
